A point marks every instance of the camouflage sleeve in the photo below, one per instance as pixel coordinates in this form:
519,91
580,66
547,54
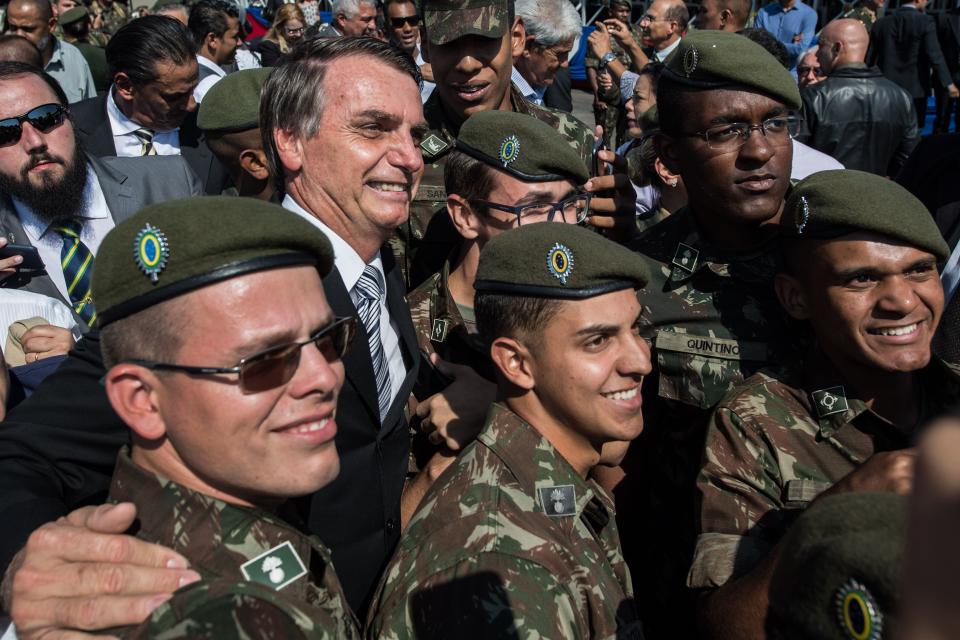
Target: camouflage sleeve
225,609
491,596
739,485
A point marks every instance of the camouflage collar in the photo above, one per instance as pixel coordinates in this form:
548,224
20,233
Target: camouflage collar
445,315
217,538
540,469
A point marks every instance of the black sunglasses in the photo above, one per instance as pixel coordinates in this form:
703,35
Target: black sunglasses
398,23
43,118
274,367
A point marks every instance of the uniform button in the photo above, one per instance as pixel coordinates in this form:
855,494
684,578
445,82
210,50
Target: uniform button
392,525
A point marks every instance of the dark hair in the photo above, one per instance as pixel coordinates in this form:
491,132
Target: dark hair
154,334
678,13
671,104
467,177
653,69
77,29
499,315
13,69
211,16
293,98
137,47
14,48
769,42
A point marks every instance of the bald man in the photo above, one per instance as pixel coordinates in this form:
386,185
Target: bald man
662,26
723,15
18,49
34,20
856,115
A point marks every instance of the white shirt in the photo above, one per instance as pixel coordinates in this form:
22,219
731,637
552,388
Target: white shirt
17,304
97,222
530,93
667,50
350,265
428,86
167,143
71,71
204,85
950,277
807,160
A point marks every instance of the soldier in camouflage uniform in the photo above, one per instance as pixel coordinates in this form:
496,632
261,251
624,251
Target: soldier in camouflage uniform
608,109
258,575
866,12
110,14
424,243
860,265
510,160
710,309
513,540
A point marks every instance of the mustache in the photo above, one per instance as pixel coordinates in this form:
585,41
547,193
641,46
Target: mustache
38,159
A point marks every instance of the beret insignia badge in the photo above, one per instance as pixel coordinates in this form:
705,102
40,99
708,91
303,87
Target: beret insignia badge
691,58
151,251
857,612
560,262
509,150
803,215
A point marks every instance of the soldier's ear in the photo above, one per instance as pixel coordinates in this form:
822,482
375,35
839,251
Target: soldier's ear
464,218
254,162
518,37
725,16
132,391
792,297
667,152
513,360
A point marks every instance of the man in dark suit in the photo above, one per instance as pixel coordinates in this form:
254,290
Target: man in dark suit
58,451
948,33
49,186
904,45
150,110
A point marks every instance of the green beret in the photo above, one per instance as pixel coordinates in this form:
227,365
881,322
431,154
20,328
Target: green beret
76,14
838,573
526,148
556,260
829,204
233,103
447,20
714,59
169,249
621,3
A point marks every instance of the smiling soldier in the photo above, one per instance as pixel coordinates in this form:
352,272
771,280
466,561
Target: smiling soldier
514,541
859,265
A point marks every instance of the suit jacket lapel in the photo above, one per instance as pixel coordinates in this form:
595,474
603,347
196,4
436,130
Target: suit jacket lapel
357,362
98,138
121,200
400,313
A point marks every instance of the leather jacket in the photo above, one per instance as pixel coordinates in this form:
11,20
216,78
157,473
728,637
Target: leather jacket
862,119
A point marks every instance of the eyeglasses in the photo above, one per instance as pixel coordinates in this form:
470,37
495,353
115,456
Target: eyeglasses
649,18
729,137
576,208
399,23
44,118
802,71
274,367
293,31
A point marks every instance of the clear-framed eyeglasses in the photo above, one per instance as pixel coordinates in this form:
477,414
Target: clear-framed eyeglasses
572,210
731,136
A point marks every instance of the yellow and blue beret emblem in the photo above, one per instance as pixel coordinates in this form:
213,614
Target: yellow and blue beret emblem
151,251
857,612
509,150
560,262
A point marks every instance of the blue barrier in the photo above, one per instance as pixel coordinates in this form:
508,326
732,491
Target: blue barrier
578,72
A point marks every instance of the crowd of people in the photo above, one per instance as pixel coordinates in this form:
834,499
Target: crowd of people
350,328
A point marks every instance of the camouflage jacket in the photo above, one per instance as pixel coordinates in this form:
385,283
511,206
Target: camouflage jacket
114,16
441,329
259,576
775,443
510,542
590,61
421,247
862,14
713,319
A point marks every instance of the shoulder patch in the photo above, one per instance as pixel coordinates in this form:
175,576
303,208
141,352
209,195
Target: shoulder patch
559,501
829,401
433,145
275,568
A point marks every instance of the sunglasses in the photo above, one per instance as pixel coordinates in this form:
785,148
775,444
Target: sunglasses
44,118
274,367
398,23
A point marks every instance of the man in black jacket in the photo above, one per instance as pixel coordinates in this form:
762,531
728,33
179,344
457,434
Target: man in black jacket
857,116
948,33
904,45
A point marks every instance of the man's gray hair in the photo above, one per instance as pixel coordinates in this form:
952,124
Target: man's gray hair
349,8
293,97
550,22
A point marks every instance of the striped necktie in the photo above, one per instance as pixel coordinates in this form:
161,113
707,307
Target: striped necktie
146,142
367,294
76,260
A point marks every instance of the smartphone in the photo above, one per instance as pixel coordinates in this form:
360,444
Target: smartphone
598,166
31,257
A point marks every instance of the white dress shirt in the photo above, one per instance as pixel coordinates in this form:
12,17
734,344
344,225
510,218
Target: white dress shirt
807,160
530,93
167,143
666,51
18,304
351,266
204,85
97,222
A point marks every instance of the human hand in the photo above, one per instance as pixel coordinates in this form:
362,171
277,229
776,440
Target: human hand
426,70
604,81
8,266
82,573
891,471
599,41
952,91
614,205
617,29
455,416
44,341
